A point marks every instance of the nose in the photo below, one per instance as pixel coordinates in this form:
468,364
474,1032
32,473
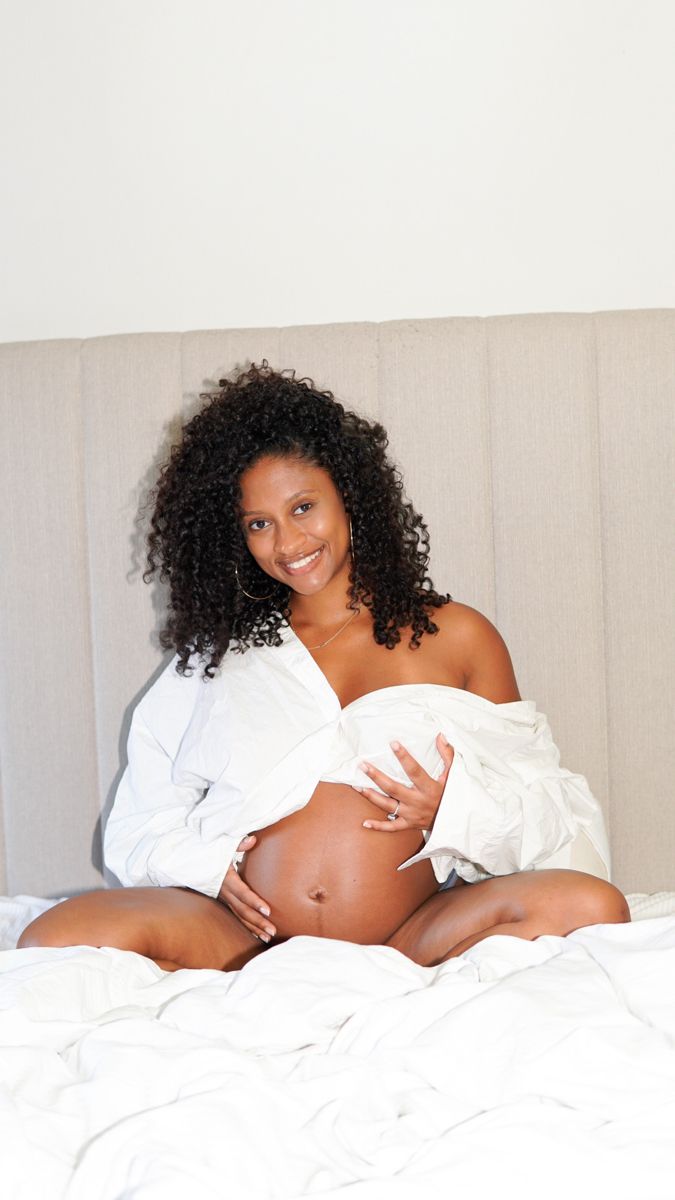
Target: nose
289,541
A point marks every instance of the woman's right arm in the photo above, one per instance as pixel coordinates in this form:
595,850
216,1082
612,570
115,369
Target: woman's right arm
162,833
154,835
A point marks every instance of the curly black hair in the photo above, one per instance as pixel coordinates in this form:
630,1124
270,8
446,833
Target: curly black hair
196,539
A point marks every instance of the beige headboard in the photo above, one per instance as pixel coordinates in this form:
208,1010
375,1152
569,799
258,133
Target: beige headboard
539,450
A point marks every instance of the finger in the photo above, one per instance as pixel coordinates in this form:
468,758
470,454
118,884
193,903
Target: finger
256,932
387,804
246,843
235,889
443,777
252,919
412,768
397,791
446,751
262,937
245,895
388,826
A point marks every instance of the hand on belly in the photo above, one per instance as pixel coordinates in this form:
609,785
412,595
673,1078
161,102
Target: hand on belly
324,875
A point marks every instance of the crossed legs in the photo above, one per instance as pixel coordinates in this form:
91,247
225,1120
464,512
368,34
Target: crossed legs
177,927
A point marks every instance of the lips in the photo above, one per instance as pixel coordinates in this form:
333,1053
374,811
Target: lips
302,565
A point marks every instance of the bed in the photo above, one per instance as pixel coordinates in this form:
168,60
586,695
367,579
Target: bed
537,447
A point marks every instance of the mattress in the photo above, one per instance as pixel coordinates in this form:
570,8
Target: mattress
329,1069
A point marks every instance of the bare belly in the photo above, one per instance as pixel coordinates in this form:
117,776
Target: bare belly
322,874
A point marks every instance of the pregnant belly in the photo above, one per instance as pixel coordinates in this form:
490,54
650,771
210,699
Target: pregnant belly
322,874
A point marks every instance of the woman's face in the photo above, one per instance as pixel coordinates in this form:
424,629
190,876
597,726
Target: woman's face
294,523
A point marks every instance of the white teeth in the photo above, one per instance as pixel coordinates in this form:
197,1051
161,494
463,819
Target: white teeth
302,562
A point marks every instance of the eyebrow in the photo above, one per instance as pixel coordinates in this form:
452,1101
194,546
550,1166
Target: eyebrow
304,492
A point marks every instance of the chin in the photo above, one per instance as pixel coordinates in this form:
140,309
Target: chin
306,587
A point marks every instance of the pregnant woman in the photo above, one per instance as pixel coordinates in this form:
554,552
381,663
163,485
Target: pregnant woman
336,749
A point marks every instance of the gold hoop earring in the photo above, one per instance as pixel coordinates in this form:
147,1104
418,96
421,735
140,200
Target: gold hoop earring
351,540
243,589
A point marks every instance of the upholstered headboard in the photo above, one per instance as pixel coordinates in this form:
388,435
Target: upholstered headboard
538,449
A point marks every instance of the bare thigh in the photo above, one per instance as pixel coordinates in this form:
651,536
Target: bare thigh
174,926
525,905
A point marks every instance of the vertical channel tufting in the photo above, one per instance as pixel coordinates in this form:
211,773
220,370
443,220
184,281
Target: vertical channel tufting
636,378
489,420
97,839
544,458
132,389
608,807
433,386
3,846
47,741
213,354
339,358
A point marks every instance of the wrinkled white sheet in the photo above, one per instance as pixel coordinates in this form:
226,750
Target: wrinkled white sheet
540,1068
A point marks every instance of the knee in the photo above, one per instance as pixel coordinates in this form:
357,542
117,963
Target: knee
42,933
569,900
599,902
87,920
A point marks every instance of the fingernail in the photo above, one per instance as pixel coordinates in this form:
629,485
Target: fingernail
367,825
365,767
395,745
265,911
264,938
357,788
270,933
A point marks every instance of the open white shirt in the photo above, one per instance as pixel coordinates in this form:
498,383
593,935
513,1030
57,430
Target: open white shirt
212,760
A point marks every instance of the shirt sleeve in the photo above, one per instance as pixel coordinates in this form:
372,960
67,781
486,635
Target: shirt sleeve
506,809
157,833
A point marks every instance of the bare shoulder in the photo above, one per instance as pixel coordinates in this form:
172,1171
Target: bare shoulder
472,643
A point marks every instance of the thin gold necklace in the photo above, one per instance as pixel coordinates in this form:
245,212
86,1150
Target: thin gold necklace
333,635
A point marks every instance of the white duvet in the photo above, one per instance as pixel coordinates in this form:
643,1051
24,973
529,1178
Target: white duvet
540,1068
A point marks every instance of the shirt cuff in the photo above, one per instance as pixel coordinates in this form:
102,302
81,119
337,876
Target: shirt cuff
458,826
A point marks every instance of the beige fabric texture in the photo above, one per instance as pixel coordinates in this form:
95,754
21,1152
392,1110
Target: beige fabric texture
539,449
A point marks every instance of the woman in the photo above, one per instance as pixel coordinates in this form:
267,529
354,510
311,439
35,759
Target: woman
334,738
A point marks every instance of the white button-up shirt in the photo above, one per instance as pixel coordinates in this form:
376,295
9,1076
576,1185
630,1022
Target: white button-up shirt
212,760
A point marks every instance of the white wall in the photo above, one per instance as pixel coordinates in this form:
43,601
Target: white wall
181,164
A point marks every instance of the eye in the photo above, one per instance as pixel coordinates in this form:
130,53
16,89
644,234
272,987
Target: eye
256,525
305,505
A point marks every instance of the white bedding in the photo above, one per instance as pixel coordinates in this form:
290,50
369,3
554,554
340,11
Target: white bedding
540,1068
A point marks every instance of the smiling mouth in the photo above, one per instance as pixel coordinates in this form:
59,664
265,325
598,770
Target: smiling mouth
299,566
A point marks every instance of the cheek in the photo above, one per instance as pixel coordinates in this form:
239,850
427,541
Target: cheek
330,524
258,545
323,529
331,533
